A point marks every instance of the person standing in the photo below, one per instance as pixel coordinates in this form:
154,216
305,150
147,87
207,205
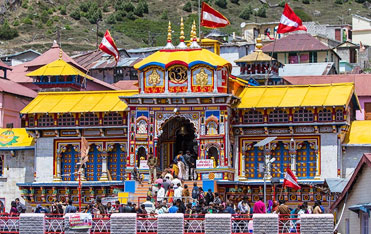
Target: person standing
259,207
161,194
20,207
187,159
70,208
283,210
195,191
152,164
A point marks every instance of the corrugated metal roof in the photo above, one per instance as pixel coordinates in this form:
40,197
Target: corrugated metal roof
306,69
76,102
336,185
296,42
296,96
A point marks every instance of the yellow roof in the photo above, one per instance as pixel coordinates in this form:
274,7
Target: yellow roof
188,57
359,133
296,95
256,56
58,68
76,102
13,138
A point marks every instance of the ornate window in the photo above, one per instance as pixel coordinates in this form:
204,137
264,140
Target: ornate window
112,118
254,159
339,115
283,159
45,121
117,163
325,115
142,127
66,120
212,128
278,116
303,115
31,121
93,169
89,119
1,165
253,116
306,162
69,160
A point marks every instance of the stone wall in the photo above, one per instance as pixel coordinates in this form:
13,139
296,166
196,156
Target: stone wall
44,159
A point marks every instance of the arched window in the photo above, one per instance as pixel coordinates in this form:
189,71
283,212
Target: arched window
278,116
213,153
254,159
141,154
89,119
112,118
325,115
45,121
93,169
142,127
339,115
282,161
212,128
303,115
69,160
117,163
66,120
253,116
306,162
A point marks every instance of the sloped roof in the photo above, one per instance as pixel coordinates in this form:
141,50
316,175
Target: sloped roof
361,81
296,42
296,96
364,162
78,102
359,133
2,64
127,85
256,56
306,69
57,68
9,86
188,57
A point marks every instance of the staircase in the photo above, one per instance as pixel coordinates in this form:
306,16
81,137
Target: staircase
140,194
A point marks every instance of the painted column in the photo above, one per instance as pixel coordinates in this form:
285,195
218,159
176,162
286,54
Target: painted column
292,152
141,82
166,82
267,153
215,82
104,176
189,81
58,177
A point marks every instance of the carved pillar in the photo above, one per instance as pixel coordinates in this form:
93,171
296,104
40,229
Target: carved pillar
104,176
215,82
141,82
267,153
189,88
166,82
292,152
58,176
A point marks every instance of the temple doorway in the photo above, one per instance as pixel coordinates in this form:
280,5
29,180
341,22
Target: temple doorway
178,134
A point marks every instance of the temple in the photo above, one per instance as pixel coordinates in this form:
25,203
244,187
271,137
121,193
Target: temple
187,100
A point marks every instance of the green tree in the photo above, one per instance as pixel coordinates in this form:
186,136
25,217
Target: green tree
105,7
144,6
94,14
164,15
63,10
130,15
85,6
235,1
76,14
6,32
245,14
111,19
139,10
221,3
128,7
44,16
303,15
262,12
306,1
119,15
187,7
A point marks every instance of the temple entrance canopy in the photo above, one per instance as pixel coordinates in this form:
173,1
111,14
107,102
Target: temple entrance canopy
178,134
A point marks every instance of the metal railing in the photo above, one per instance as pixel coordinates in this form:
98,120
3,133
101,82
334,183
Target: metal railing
242,223
54,225
9,224
146,224
289,223
194,223
101,226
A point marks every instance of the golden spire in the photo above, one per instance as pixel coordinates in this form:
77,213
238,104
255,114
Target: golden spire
194,44
191,34
181,30
169,32
259,44
60,53
194,31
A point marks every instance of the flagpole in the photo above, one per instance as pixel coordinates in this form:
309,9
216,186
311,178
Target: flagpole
199,20
270,63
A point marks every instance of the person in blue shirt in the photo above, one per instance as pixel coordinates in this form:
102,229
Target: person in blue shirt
174,208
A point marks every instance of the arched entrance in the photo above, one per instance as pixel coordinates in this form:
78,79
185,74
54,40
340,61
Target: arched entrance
178,134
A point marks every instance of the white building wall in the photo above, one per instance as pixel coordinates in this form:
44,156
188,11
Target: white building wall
44,159
329,155
351,157
17,169
360,193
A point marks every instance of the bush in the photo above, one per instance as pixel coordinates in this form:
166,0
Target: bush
164,15
67,27
144,5
235,1
105,7
128,7
27,20
94,14
111,19
262,12
245,14
76,14
130,16
187,7
302,15
221,3
282,4
84,6
139,10
44,16
306,1
16,23
120,15
50,11
63,10
100,34
49,23
25,4
339,2
6,32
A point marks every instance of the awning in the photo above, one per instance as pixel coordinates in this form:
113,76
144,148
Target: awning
15,139
359,134
297,96
336,185
365,207
78,102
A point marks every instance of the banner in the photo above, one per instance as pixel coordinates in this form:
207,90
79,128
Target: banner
80,221
143,164
205,163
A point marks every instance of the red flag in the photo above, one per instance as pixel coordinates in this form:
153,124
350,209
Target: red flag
290,21
290,180
84,150
211,18
108,46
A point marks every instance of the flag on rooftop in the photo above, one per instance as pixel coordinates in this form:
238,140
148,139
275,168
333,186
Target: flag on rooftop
212,18
290,21
290,180
108,46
